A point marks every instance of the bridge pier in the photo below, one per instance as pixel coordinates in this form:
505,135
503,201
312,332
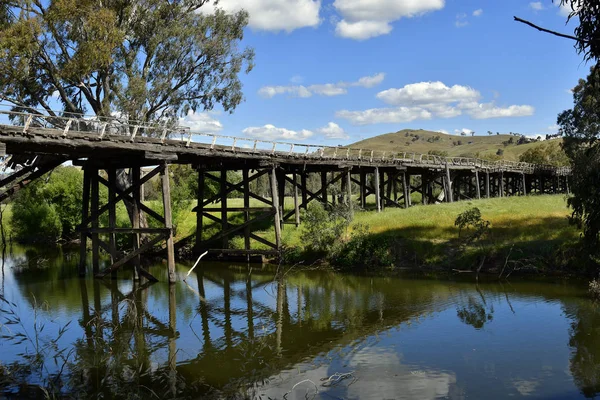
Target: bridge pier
92,212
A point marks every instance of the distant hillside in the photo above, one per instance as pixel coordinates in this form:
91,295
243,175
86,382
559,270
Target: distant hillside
420,141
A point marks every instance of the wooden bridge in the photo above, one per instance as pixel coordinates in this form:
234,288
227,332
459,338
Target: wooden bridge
38,143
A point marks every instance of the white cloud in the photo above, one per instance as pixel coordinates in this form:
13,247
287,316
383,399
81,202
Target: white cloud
461,20
326,89
297,79
536,5
445,132
463,130
333,131
384,115
477,13
364,19
274,15
362,30
426,100
553,128
428,92
201,122
489,110
271,132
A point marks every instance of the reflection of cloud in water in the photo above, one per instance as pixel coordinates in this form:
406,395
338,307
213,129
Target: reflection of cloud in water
526,387
379,374
383,376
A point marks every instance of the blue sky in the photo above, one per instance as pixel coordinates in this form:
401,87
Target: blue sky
334,72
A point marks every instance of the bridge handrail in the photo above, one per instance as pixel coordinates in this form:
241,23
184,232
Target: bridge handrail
112,126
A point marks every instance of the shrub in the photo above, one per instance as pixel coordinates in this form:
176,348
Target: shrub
364,250
324,227
33,219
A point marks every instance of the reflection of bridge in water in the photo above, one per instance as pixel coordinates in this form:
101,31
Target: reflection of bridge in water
103,147
238,326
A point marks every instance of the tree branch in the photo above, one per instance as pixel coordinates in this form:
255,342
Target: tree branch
539,28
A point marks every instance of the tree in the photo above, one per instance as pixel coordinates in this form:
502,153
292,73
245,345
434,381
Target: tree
147,61
490,133
587,33
550,153
580,127
500,152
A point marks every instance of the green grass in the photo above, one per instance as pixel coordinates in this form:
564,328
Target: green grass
471,145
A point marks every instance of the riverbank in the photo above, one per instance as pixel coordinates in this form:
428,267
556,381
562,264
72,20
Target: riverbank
526,233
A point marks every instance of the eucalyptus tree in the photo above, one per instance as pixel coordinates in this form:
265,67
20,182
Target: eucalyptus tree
144,60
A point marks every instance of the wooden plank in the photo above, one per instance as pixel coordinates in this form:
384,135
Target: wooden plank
121,195
246,208
296,202
223,192
275,200
84,215
128,231
377,189
166,192
112,213
477,189
95,198
135,183
199,208
145,247
129,198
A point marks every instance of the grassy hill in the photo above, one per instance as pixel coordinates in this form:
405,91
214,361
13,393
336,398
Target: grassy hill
421,141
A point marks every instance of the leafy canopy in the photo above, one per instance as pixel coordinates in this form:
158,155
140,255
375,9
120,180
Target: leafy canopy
144,59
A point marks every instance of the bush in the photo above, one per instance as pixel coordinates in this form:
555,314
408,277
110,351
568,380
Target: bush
364,250
49,208
33,219
324,227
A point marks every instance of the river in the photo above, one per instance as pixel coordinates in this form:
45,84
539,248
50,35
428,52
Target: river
236,331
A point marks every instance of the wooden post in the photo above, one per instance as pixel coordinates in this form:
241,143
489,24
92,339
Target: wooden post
246,178
84,216
409,188
382,189
567,185
501,184
172,341
524,185
199,213
281,187
363,189
304,192
333,194
135,181
296,203
275,200
449,184
487,184
406,190
324,186
377,190
112,215
223,192
349,190
424,188
166,191
95,222
477,189
390,184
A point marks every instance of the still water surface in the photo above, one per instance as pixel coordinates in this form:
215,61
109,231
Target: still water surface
237,329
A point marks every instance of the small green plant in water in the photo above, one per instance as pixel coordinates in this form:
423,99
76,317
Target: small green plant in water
473,231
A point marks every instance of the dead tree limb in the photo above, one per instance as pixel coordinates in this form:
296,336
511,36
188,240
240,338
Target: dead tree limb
539,28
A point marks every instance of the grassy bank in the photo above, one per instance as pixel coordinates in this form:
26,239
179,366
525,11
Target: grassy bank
526,232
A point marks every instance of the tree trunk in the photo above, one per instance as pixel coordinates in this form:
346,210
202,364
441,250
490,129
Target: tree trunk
123,183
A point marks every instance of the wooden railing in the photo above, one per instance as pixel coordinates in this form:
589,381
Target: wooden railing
112,128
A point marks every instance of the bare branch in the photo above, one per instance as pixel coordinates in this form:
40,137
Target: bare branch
539,28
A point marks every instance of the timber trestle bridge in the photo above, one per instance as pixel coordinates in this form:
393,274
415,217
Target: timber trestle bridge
34,144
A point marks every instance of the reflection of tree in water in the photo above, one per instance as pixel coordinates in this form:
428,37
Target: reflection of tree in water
585,356
475,312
